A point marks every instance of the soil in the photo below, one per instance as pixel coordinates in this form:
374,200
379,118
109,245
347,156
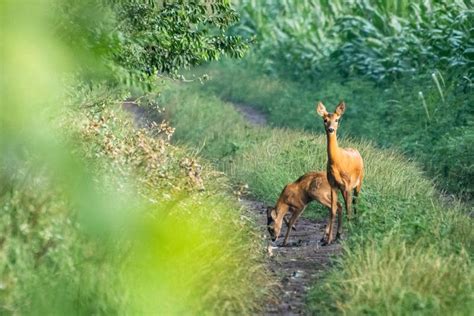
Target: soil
296,266
251,114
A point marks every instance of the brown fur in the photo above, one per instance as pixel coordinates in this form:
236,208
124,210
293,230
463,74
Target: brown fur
345,168
312,186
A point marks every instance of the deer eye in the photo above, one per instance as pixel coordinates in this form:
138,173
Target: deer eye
337,120
325,120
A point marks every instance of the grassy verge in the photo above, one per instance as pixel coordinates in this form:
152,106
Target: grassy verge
404,239
426,119
133,235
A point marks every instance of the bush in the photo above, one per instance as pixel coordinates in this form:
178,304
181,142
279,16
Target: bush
133,42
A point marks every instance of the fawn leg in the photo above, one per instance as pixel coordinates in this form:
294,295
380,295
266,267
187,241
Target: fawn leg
290,224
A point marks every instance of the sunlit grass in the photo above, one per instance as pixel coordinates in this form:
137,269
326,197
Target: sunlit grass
393,277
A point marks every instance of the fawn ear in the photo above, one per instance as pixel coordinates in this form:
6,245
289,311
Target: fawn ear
341,107
321,109
271,212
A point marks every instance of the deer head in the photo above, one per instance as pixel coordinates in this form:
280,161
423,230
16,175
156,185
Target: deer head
273,226
331,120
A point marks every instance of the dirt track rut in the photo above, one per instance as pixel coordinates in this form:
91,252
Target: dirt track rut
296,266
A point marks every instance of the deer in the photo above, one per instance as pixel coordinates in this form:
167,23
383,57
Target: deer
345,168
295,196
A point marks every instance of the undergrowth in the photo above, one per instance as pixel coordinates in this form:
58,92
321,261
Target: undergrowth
154,230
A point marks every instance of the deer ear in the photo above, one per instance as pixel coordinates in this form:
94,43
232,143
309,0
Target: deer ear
269,211
341,107
321,109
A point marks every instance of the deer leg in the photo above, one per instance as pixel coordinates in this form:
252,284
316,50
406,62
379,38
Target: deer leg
354,201
339,221
326,229
290,224
326,201
348,201
356,198
331,215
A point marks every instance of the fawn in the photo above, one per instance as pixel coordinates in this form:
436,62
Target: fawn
345,168
312,186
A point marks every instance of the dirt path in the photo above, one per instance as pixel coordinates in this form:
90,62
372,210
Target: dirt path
251,114
296,266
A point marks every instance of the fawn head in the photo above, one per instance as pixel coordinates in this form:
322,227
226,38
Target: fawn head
273,227
331,120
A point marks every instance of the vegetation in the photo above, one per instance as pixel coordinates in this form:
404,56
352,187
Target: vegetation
379,39
99,216
134,41
402,223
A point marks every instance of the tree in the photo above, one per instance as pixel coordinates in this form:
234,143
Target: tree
140,39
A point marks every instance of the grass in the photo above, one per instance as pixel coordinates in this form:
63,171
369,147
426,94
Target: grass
404,236
389,277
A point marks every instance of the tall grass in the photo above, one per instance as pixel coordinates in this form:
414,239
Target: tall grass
404,238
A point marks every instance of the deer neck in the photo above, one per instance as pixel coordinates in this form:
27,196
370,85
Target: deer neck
333,147
281,210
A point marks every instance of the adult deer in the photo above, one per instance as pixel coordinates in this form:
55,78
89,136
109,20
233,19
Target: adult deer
345,168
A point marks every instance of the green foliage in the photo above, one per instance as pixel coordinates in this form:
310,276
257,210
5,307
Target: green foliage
134,41
402,245
163,38
382,45
291,35
379,39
